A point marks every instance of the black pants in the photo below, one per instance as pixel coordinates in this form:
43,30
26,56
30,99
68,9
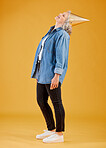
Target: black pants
43,91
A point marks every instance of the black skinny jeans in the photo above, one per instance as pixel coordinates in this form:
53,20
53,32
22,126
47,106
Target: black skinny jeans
43,91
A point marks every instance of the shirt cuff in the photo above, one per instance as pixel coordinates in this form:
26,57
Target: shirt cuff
58,70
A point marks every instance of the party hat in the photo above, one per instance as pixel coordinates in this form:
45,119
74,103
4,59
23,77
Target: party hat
76,19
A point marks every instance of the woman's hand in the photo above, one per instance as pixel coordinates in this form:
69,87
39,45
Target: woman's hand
55,81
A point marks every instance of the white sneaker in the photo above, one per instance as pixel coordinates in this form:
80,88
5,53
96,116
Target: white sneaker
54,138
45,134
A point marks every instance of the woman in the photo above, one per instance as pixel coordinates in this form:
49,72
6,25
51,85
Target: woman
49,69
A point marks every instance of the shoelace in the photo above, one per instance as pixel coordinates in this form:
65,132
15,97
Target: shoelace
52,135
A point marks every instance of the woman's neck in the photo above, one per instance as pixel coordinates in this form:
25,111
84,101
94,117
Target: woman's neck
57,26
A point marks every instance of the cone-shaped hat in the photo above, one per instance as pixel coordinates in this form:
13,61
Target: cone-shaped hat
76,19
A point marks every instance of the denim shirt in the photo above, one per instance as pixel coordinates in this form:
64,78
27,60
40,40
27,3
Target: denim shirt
54,56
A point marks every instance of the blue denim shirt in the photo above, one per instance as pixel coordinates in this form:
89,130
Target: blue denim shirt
54,56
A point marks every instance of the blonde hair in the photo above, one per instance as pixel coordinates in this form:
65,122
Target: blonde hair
67,26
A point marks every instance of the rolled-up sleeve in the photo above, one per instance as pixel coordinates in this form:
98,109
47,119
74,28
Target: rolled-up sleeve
61,47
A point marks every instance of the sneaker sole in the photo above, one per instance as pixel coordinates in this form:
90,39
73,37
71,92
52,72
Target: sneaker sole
53,141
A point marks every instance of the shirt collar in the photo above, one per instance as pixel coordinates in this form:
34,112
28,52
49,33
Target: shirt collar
59,28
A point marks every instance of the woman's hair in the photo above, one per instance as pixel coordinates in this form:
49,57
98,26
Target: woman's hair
66,26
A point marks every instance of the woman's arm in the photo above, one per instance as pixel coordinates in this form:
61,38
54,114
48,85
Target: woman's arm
61,47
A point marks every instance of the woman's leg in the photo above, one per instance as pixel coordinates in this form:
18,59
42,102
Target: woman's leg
42,98
55,95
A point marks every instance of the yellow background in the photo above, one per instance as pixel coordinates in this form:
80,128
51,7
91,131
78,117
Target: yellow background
22,25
